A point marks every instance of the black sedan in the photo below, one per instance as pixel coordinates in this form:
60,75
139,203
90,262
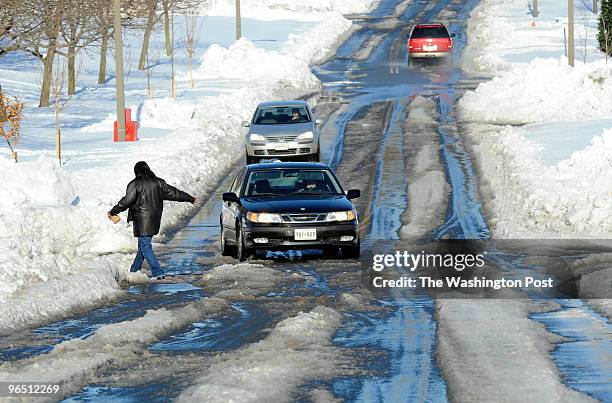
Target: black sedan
288,205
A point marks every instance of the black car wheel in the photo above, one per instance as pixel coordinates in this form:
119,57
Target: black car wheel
242,253
250,160
315,157
330,252
226,249
351,252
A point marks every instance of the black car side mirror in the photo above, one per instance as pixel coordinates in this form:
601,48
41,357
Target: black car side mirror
231,197
353,194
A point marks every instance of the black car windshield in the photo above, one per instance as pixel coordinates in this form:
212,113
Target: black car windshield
291,181
281,115
429,32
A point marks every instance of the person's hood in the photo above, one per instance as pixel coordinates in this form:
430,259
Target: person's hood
142,169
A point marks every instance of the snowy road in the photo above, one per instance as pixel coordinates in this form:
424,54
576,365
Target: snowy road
293,326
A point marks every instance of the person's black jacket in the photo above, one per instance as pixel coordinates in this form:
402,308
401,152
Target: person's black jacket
144,198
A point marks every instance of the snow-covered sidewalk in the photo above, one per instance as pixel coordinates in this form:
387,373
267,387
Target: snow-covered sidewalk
58,251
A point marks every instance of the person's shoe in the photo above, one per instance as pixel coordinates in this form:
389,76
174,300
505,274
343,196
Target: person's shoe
134,271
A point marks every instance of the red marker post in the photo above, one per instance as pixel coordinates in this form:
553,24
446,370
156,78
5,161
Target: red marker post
131,128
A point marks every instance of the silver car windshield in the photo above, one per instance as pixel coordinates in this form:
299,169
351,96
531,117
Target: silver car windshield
281,115
283,182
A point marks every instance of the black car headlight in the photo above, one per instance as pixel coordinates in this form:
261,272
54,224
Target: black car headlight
264,218
341,216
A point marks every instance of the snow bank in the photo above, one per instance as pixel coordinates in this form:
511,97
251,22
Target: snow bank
53,224
532,199
287,9
482,363
74,362
543,90
244,61
297,349
289,67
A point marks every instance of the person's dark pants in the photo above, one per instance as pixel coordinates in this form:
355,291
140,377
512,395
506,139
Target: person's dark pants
145,251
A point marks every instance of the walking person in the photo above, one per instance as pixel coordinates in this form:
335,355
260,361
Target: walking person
144,197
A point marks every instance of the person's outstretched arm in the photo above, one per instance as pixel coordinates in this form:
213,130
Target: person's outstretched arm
173,194
126,201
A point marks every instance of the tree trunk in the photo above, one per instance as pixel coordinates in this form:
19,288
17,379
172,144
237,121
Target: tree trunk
71,72
147,35
167,28
103,50
45,90
191,70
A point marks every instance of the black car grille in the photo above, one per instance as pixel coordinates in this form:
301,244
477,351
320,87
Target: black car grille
282,152
304,217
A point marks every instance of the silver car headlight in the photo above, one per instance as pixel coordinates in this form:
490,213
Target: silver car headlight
264,218
305,137
340,216
257,138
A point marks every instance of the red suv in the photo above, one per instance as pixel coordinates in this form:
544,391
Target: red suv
430,40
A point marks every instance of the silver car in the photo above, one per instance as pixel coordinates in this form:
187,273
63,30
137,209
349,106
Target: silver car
282,130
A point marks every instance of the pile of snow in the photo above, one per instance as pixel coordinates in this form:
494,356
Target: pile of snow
297,349
53,224
73,363
289,67
244,61
542,90
287,9
571,198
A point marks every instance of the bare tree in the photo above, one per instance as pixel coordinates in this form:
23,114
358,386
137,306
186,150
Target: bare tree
152,63
78,31
105,18
16,23
151,20
583,29
191,41
167,6
60,99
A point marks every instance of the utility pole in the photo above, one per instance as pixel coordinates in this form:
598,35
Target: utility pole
570,32
535,8
119,73
238,23
594,6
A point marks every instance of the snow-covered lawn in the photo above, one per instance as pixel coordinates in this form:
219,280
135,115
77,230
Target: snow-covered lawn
58,251
550,176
